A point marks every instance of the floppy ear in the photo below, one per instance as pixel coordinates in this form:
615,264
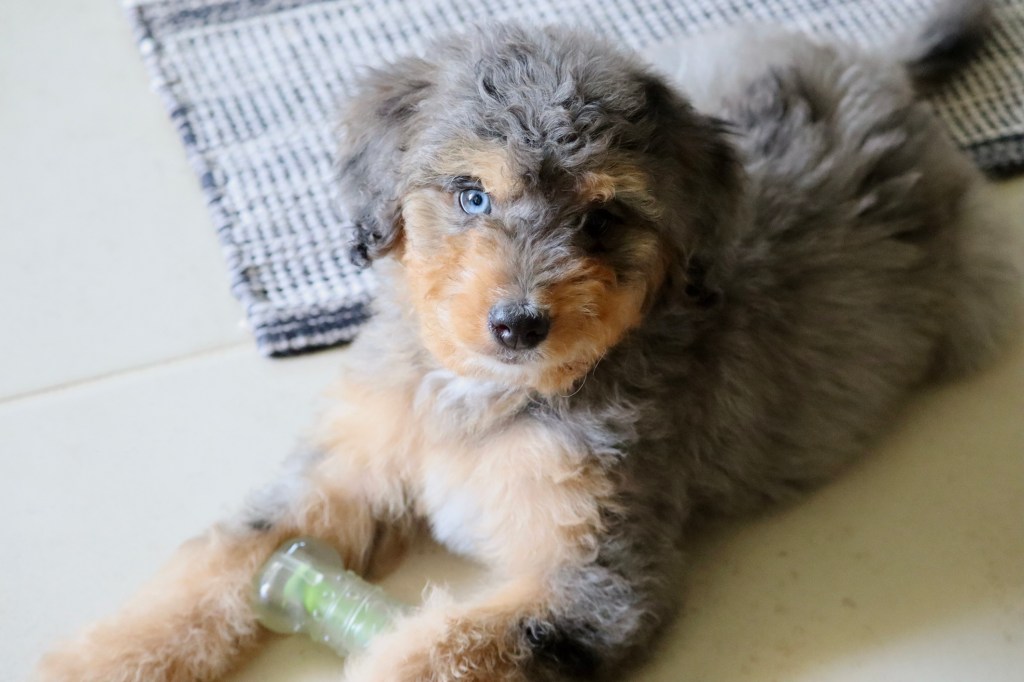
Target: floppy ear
376,131
707,184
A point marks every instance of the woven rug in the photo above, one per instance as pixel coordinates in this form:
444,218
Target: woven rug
252,87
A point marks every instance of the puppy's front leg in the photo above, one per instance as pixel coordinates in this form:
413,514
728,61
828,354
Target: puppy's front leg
479,641
580,624
583,579
193,623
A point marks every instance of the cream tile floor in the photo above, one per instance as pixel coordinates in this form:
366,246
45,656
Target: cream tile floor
134,410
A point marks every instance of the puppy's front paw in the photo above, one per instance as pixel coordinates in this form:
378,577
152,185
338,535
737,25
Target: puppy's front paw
57,667
82,661
443,645
130,651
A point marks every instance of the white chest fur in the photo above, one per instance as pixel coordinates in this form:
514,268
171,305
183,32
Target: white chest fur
511,491
454,513
464,418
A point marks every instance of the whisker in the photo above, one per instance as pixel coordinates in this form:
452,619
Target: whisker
586,376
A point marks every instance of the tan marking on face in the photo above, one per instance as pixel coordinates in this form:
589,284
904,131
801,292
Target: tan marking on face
487,161
591,312
619,181
455,278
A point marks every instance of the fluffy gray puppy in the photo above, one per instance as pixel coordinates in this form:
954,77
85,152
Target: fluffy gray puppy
603,315
823,255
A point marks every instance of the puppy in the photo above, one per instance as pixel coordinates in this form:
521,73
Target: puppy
602,315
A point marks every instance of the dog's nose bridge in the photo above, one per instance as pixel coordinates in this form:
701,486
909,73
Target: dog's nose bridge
538,249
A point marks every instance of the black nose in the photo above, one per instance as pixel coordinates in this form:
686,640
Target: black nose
518,326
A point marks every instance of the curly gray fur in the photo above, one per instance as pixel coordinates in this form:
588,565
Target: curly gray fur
826,258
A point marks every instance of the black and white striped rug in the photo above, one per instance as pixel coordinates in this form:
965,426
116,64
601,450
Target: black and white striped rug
253,86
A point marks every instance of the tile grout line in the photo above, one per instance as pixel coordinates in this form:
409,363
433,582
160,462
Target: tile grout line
117,373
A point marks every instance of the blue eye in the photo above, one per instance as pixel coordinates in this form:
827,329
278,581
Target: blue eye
474,201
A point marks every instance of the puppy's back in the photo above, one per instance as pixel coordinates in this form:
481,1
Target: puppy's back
852,174
868,263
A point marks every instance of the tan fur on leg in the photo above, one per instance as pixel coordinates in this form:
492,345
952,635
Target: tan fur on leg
194,623
475,642
191,623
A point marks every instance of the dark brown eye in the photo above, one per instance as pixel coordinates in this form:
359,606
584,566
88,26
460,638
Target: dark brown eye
596,228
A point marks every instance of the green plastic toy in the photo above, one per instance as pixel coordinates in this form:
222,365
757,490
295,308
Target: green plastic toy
304,587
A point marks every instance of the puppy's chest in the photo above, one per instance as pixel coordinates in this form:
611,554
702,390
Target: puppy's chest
454,512
468,463
494,500
508,486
